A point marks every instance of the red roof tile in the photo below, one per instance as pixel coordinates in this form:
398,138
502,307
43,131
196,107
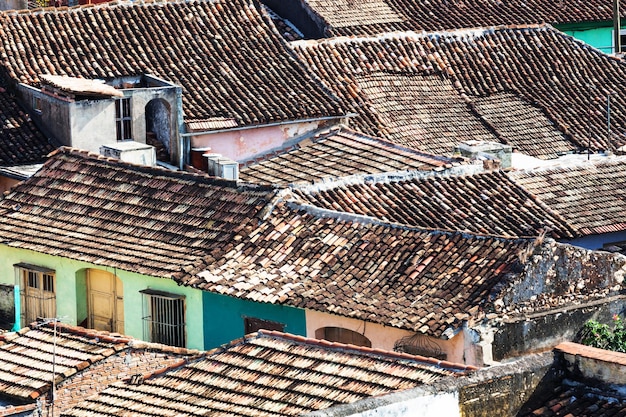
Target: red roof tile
26,358
423,281
21,142
486,203
229,61
146,220
345,17
590,196
269,374
456,83
337,153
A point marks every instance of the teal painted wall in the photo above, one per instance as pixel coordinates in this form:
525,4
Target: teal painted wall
224,318
72,292
598,36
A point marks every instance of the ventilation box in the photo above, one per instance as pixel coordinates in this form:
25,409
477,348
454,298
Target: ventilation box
130,151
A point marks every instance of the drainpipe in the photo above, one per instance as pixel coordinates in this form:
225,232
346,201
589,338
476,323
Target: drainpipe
181,129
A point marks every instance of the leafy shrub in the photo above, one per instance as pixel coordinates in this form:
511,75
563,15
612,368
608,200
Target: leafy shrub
605,337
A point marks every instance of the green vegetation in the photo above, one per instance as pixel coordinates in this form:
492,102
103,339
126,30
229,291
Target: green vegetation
604,336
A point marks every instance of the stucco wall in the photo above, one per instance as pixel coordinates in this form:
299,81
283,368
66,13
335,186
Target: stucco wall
71,291
598,37
543,331
224,318
561,287
383,337
241,145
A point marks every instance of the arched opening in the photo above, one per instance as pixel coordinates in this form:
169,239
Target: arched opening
105,301
341,335
158,129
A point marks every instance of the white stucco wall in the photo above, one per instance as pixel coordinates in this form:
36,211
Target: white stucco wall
439,405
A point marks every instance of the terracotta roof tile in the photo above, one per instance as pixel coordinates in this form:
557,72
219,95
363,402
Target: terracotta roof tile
486,203
21,142
540,75
575,399
229,61
269,374
26,358
423,281
337,153
345,17
141,219
590,196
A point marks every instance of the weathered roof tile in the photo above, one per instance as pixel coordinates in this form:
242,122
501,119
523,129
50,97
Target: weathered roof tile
231,64
270,374
141,219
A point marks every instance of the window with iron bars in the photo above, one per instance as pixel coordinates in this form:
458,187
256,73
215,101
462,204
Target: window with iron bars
123,119
164,318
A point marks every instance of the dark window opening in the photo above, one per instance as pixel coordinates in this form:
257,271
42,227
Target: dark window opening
252,325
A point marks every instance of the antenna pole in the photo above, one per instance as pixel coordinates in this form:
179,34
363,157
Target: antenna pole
616,28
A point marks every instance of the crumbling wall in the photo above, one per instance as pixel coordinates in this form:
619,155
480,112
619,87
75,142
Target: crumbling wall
133,362
561,287
558,275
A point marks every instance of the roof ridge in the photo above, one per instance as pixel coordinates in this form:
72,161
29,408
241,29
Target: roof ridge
410,34
343,216
361,349
100,335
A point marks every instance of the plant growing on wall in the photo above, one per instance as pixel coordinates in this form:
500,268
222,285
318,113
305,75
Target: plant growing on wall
603,336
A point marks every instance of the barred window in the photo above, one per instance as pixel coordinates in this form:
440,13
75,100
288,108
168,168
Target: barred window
164,318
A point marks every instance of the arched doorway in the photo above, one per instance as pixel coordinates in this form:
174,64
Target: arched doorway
105,301
341,335
158,129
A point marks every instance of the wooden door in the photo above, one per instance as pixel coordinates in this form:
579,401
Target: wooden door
105,301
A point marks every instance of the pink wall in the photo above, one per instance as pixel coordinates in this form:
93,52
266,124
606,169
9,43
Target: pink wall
384,337
241,145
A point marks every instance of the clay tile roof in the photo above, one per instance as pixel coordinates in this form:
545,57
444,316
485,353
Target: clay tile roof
27,361
571,399
269,374
485,203
229,61
21,142
431,91
580,397
146,220
346,17
426,281
337,153
590,196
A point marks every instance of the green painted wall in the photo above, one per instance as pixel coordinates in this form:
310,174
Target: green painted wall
72,292
598,36
224,318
